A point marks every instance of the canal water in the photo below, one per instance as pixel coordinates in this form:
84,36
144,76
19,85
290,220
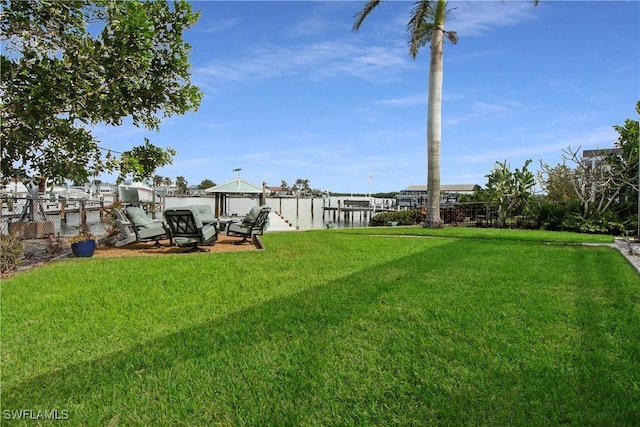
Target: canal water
302,213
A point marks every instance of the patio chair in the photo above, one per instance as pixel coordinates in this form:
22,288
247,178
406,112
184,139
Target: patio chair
135,226
187,229
205,212
254,223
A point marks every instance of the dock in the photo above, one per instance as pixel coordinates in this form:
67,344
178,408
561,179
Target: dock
278,223
349,209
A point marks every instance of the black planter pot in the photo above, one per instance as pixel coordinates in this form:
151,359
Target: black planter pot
84,249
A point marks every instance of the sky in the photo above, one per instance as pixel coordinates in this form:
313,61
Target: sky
290,91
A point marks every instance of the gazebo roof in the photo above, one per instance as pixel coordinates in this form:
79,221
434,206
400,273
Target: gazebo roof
236,185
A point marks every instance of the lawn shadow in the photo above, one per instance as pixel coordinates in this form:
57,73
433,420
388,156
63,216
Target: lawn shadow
270,362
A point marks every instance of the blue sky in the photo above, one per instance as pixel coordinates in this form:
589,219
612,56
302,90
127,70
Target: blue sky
291,92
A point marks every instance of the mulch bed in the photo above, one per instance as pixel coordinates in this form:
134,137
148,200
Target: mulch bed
224,244
38,251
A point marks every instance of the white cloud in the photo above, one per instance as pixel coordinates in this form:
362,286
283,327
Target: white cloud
477,17
323,59
407,101
216,125
483,110
218,26
545,144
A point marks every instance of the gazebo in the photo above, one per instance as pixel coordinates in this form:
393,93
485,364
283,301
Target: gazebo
237,186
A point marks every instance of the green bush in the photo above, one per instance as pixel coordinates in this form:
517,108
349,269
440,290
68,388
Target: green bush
602,225
549,215
406,217
11,251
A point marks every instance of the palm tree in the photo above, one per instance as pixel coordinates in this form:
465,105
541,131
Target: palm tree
427,23
181,183
303,185
157,180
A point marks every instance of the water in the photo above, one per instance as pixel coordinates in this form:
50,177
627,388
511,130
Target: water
302,213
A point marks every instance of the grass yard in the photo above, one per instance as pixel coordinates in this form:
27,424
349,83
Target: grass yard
331,328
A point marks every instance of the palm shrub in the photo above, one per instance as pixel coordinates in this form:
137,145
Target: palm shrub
549,215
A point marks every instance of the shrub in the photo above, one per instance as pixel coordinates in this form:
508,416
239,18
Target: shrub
11,251
550,215
406,217
602,225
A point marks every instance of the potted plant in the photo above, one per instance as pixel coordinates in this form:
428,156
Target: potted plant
83,244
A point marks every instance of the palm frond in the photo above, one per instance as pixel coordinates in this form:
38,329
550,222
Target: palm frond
420,26
452,36
364,12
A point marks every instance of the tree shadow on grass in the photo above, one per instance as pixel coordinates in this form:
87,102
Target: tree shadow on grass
347,352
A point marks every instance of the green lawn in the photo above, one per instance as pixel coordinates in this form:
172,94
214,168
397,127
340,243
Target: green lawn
332,328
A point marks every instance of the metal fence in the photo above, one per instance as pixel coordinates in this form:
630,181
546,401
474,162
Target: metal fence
475,214
470,215
59,216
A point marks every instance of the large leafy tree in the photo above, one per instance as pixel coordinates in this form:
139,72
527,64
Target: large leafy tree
427,24
69,65
206,183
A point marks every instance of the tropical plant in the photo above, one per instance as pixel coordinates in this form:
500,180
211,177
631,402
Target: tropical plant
302,185
597,188
550,215
427,24
604,223
181,183
157,180
511,190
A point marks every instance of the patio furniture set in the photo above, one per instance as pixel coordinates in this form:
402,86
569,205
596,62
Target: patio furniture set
191,226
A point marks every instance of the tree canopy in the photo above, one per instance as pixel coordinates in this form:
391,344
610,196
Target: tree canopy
67,66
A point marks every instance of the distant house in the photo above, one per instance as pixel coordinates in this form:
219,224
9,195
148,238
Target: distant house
595,164
279,191
593,159
416,195
106,190
195,190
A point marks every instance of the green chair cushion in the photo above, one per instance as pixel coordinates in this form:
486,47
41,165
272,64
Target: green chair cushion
252,215
139,217
205,212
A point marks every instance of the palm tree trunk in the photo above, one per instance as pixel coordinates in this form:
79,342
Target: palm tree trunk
434,128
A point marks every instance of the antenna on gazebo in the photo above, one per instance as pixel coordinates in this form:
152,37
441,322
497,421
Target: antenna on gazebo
237,170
